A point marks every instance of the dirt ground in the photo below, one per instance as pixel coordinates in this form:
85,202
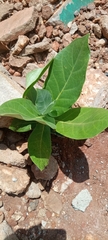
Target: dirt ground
86,164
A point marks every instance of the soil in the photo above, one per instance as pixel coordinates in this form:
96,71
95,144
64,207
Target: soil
86,164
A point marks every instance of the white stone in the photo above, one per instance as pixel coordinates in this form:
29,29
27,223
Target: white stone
33,191
82,200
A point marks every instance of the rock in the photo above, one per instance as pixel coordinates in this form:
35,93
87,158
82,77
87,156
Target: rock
47,11
42,31
101,42
18,24
33,191
82,200
51,55
18,61
5,10
6,232
37,47
82,29
104,25
61,185
33,205
97,30
4,71
16,216
33,39
65,185
55,46
20,44
3,48
8,90
67,39
73,28
49,31
95,90
18,6
48,173
29,67
53,202
13,180
11,157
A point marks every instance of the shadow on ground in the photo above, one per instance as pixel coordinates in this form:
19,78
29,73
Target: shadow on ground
37,233
71,159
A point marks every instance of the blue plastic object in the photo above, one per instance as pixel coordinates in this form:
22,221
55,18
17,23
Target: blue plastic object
67,13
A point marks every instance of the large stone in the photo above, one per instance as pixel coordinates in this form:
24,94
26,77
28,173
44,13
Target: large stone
6,232
48,173
18,61
95,90
13,180
20,23
104,25
53,202
8,90
37,47
11,157
5,9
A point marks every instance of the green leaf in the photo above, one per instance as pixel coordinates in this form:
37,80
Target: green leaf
39,146
50,121
19,108
33,77
19,125
67,75
82,123
24,109
44,101
31,94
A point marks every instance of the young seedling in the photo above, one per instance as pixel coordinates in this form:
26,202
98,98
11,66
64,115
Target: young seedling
41,110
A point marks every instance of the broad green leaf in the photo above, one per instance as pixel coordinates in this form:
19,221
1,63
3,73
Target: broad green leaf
19,125
67,75
19,108
82,123
44,101
24,109
31,94
33,77
39,146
